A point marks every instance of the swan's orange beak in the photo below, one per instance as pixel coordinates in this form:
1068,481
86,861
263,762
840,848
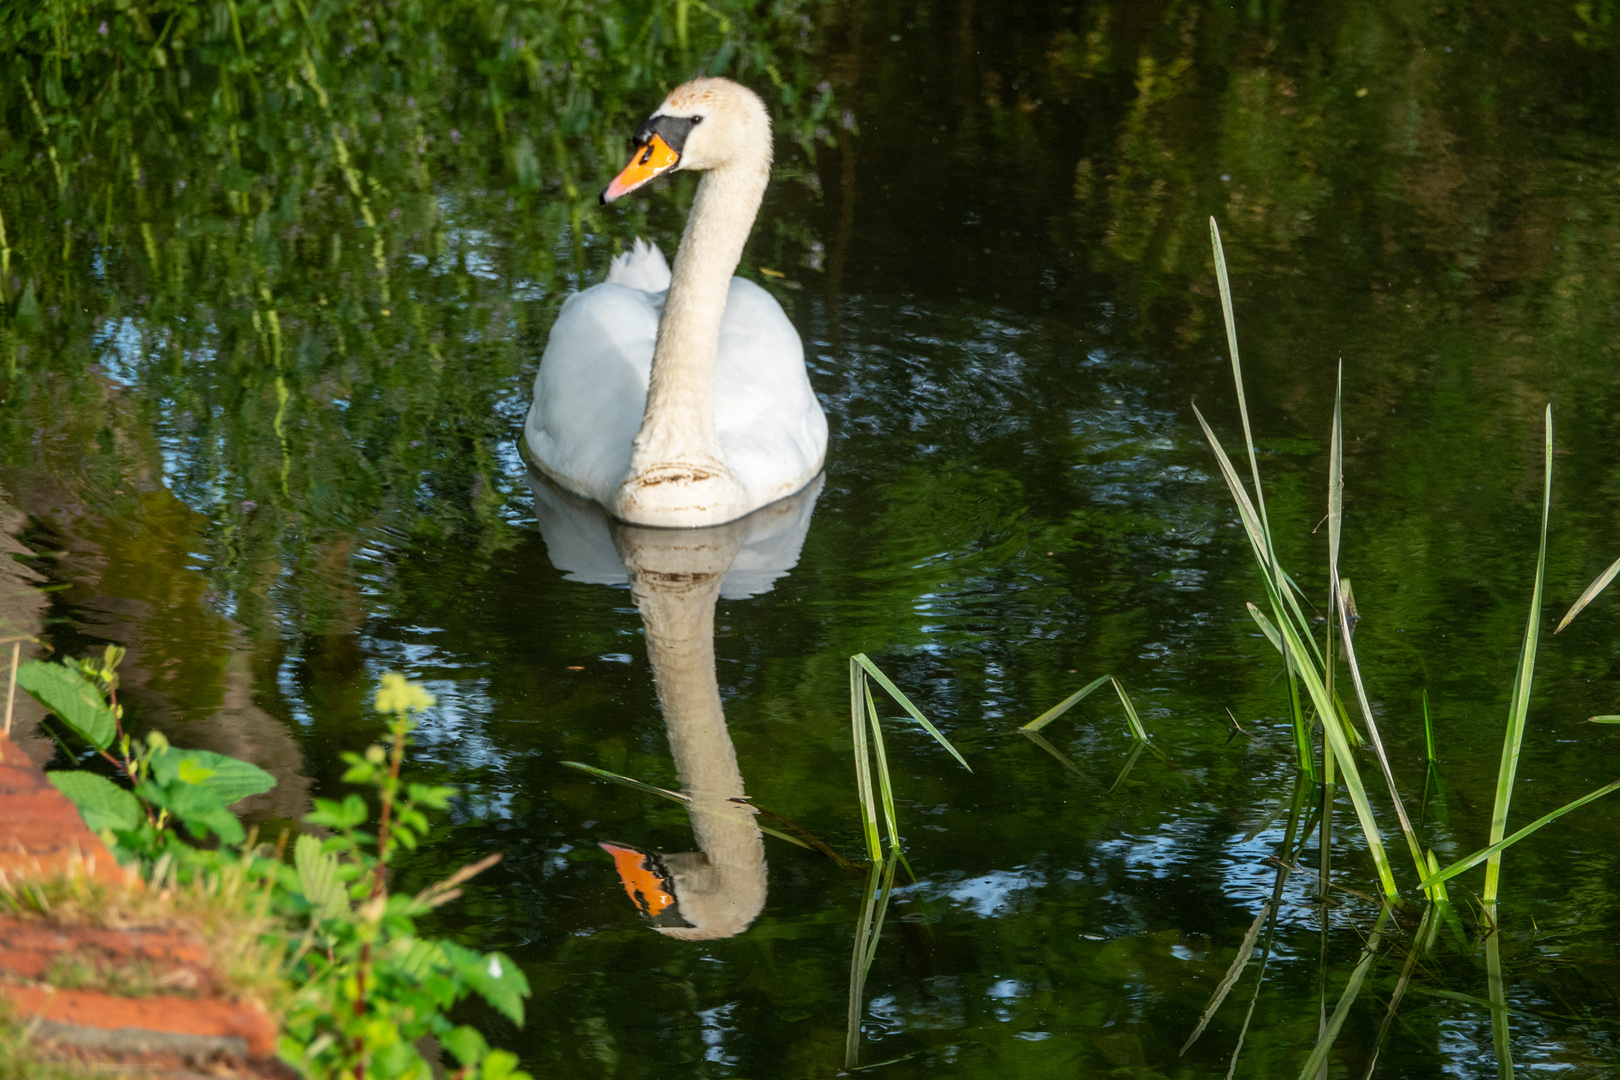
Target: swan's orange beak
647,883
649,160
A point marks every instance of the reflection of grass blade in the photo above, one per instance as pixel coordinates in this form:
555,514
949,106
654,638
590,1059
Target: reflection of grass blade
1137,746
812,844
1400,991
863,762
1496,849
1065,705
1428,730
1513,740
1590,594
1244,954
905,703
1138,732
874,903
1040,740
1500,1029
1313,1064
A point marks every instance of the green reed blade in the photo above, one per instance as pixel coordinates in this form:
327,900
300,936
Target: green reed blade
1225,284
1497,989
1065,705
1437,892
1233,973
1428,730
1597,586
1495,850
1513,739
1603,719
1134,722
863,762
1266,628
1347,998
905,703
1346,761
885,786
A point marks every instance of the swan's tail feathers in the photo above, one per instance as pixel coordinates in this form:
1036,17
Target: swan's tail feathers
642,267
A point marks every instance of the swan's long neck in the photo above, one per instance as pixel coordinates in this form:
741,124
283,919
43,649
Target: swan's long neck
723,889
679,422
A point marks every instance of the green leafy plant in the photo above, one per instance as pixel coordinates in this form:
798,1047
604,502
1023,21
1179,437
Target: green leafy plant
366,986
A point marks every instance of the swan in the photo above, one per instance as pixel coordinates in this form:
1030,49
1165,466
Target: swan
675,578
681,398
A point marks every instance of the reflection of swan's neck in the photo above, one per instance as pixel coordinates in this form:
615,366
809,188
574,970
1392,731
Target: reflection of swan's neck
720,888
679,422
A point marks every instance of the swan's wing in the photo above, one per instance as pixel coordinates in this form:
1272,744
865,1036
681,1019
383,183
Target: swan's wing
771,426
592,387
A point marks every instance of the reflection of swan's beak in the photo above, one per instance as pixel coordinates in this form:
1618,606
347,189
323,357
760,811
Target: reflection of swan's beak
649,883
649,160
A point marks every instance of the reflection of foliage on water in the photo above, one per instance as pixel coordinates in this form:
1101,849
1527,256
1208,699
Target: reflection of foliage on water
320,242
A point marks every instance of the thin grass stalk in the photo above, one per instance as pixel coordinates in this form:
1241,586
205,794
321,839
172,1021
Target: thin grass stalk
1496,987
863,762
1495,850
1234,972
874,905
738,813
1400,991
1065,705
885,786
904,702
1347,998
11,686
1137,746
1513,739
1346,636
1134,722
1600,583
1041,741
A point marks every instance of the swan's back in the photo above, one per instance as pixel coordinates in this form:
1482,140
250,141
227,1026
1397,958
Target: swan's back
591,391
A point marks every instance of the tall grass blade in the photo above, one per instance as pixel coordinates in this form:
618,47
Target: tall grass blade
1495,850
905,703
863,762
1347,998
1501,1031
1138,732
1233,973
1065,705
1603,719
1513,739
1266,628
885,786
1225,284
1590,594
1346,635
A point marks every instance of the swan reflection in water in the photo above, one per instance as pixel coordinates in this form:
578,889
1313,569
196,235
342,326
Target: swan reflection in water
676,576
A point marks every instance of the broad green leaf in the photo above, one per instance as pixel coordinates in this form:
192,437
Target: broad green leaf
496,978
230,779
318,878
331,814
199,808
103,803
73,698
466,1043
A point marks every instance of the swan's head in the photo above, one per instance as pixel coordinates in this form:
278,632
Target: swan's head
703,124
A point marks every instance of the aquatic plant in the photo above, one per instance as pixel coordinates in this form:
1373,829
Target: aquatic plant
1290,632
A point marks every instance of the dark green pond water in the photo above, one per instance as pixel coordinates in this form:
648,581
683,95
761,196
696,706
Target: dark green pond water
269,337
